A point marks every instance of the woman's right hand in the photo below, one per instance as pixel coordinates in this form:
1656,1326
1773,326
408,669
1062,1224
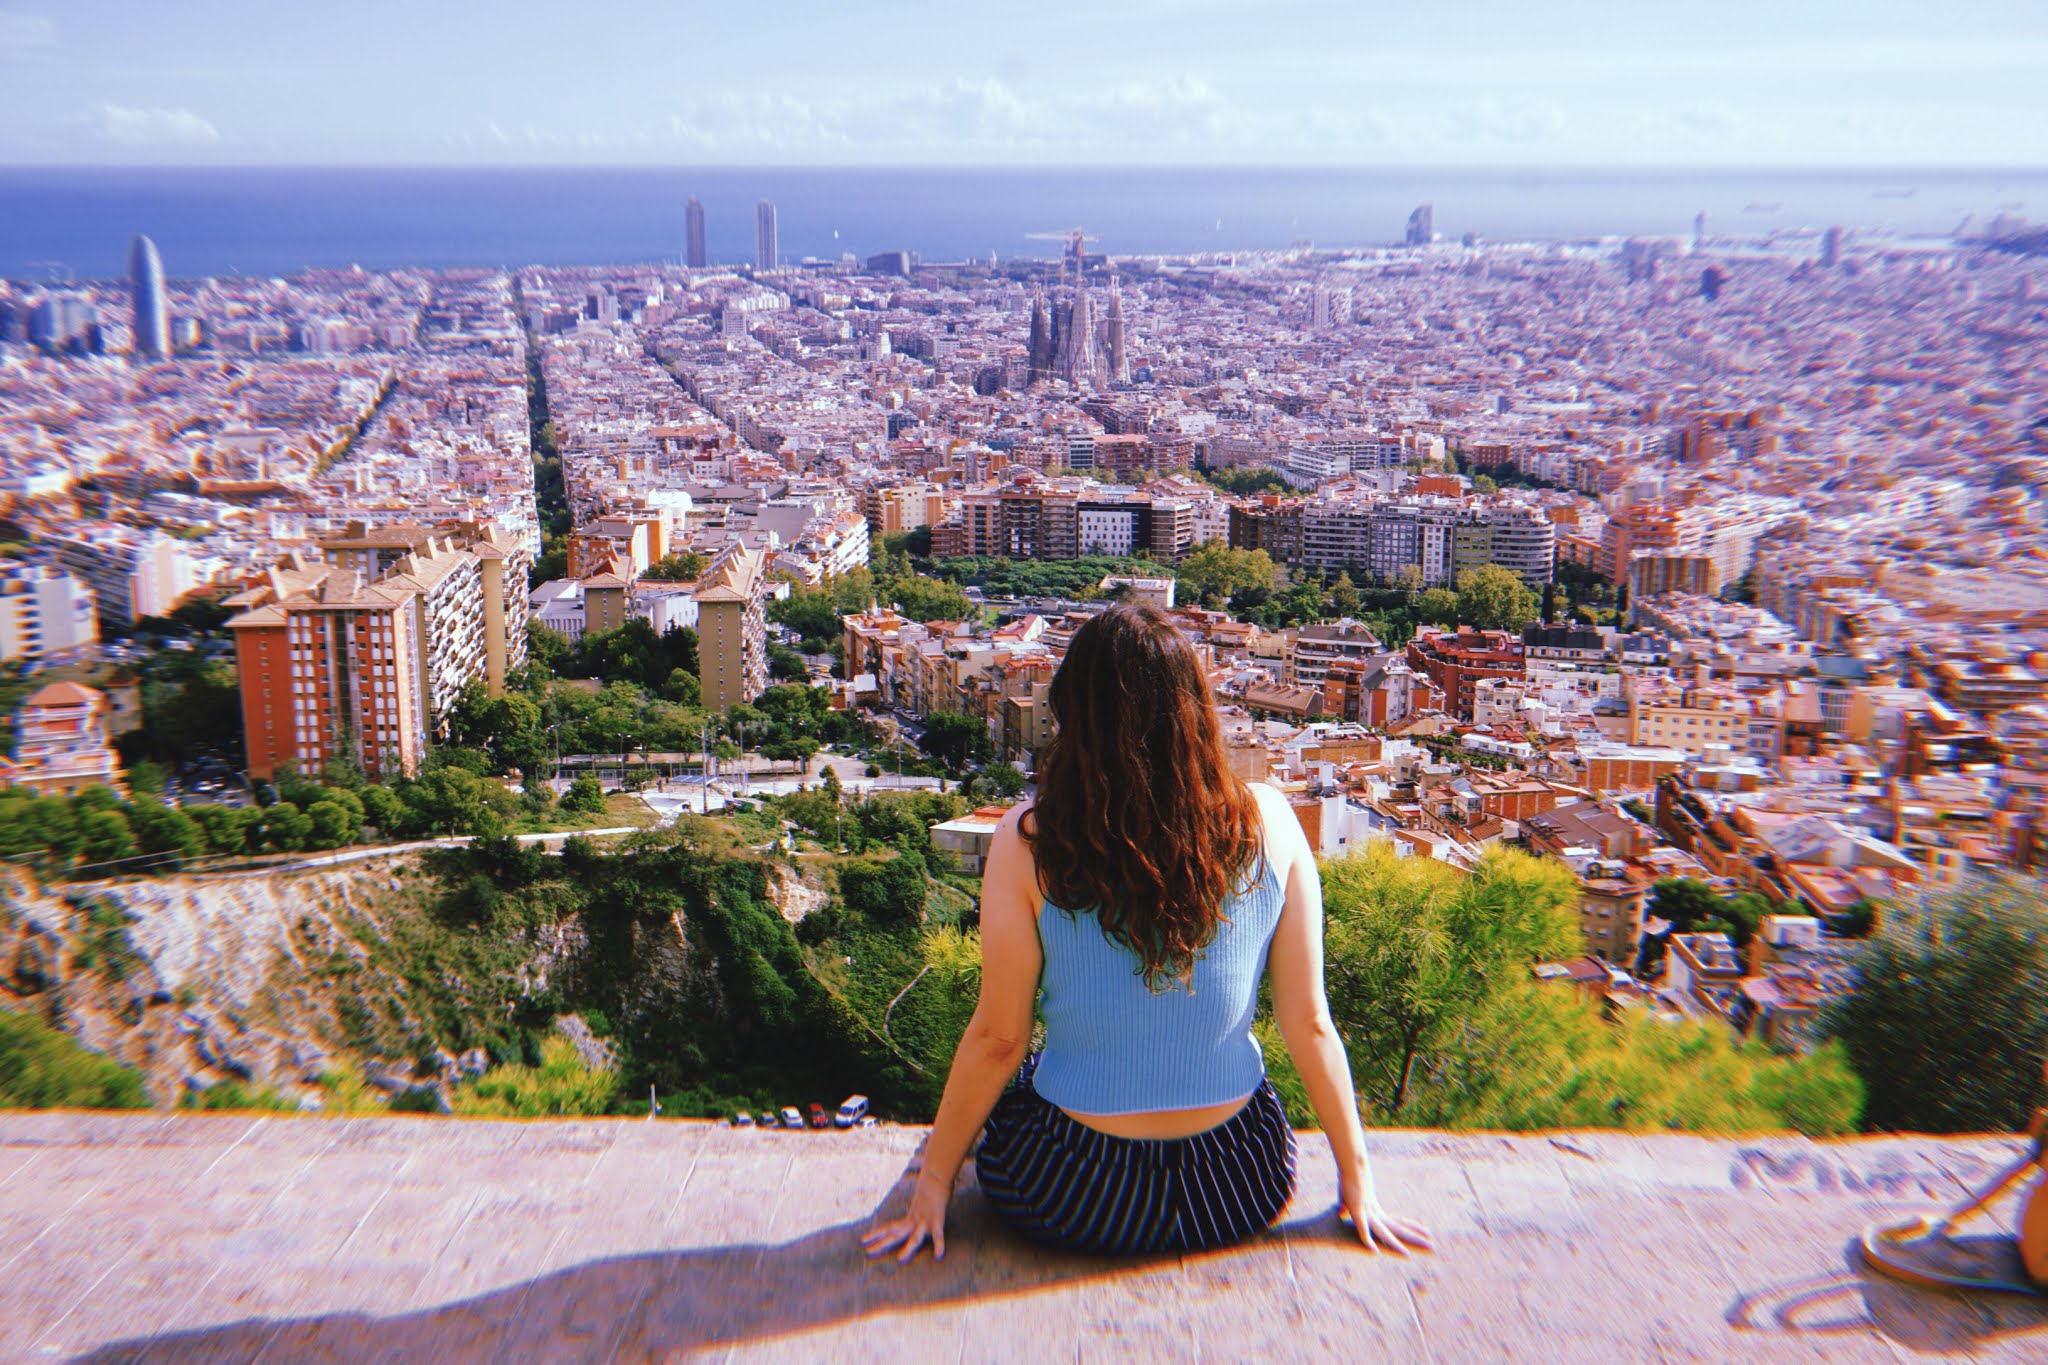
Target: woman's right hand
924,1220
1380,1230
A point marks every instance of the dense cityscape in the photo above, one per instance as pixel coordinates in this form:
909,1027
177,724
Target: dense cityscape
1709,569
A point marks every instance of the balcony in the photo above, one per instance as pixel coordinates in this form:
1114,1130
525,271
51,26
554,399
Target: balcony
190,1237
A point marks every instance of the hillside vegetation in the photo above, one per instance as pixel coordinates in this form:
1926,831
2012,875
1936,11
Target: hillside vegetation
711,966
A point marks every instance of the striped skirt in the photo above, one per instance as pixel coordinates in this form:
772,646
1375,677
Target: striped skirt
1064,1184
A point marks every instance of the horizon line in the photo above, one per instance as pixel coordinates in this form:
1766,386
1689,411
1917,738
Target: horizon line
1504,168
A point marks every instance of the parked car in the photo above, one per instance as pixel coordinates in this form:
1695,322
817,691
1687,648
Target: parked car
743,1120
819,1119
853,1111
791,1118
866,1121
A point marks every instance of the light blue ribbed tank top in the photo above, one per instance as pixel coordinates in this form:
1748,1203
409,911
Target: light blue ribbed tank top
1112,1046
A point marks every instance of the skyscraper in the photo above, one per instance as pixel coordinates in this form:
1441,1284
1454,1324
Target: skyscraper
693,220
152,319
767,250
1831,248
1421,226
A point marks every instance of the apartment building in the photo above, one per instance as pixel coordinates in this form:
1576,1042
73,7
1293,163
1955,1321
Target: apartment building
732,627
132,573
60,743
894,510
333,667
1455,661
1523,541
1665,714
501,567
1381,691
1313,649
44,611
361,655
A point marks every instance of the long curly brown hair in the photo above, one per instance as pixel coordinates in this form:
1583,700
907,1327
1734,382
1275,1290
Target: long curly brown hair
1139,818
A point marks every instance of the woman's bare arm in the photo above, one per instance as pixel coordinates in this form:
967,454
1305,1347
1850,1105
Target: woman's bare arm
1303,1012
990,1051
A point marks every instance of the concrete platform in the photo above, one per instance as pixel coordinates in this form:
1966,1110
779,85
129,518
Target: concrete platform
207,1238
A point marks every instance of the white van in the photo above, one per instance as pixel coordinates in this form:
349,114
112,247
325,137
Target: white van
853,1111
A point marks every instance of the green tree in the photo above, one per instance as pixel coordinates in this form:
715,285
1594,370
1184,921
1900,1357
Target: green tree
813,613
451,799
167,831
220,827
146,778
1947,1020
1438,607
385,809
1692,906
926,599
507,728
331,825
1493,598
286,828
1414,949
1483,485
547,646
584,797
684,567
955,740
1246,482
1344,596
1531,1057
1004,779
1430,984
1212,572
105,840
886,890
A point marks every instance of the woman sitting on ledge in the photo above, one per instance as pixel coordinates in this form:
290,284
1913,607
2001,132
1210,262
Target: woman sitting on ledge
1140,900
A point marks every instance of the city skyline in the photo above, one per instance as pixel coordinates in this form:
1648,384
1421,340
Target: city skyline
1147,82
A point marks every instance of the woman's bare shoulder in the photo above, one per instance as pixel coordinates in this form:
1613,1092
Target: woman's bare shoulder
1284,836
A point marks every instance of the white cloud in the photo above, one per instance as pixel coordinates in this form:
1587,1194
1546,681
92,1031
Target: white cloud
1491,120
127,127
964,117
26,33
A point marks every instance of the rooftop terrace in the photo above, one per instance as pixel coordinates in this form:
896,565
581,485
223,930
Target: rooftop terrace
158,1238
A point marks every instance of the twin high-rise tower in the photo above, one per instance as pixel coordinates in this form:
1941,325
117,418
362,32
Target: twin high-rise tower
152,317
767,246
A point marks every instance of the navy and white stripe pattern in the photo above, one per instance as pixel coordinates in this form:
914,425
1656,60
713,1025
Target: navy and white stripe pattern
1059,1182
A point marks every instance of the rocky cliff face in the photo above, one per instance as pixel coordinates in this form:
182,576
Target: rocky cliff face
194,981
272,979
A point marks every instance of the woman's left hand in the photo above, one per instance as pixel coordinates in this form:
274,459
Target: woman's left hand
924,1220
1380,1230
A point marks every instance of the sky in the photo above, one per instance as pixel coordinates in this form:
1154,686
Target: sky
1122,82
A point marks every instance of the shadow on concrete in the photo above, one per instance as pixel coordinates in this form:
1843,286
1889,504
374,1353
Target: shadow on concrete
660,1305
1858,1301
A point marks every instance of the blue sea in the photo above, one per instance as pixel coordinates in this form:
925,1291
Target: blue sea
58,222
